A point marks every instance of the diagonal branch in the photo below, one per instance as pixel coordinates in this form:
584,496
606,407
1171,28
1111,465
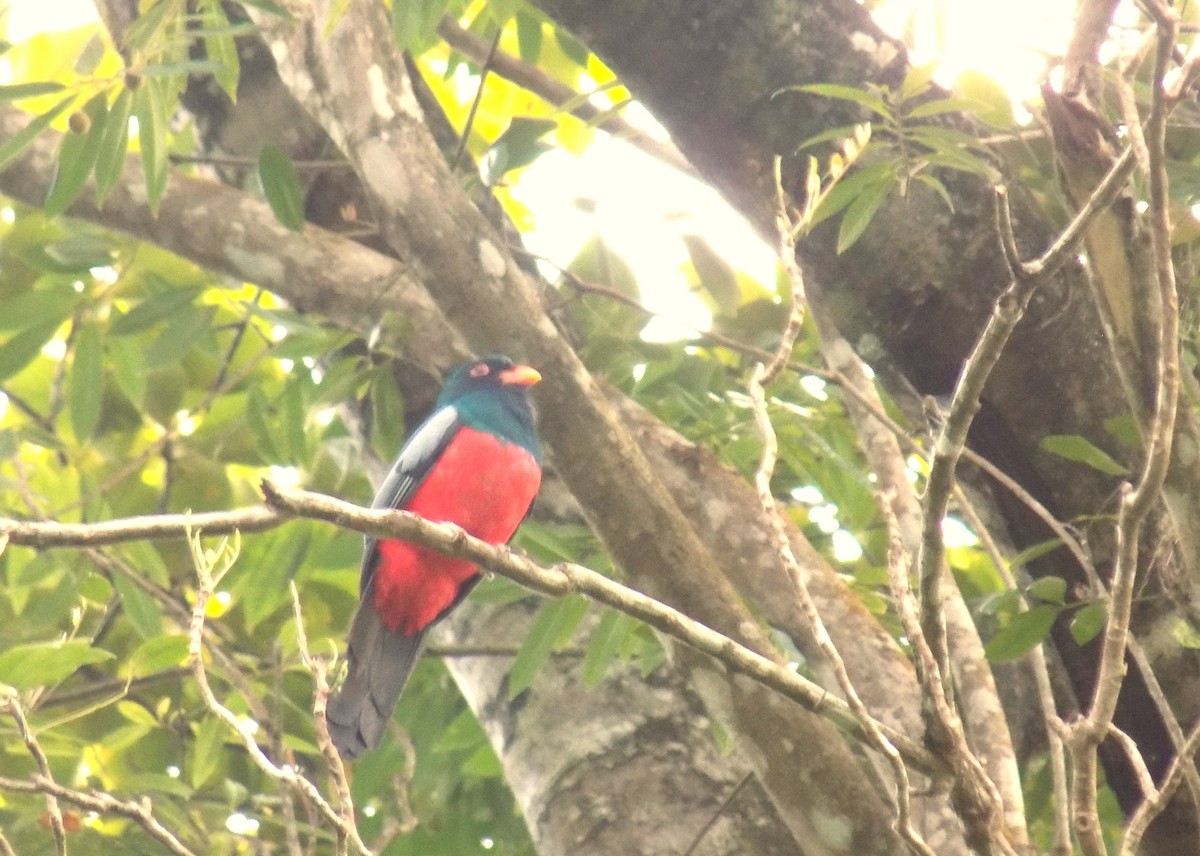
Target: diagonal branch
561,579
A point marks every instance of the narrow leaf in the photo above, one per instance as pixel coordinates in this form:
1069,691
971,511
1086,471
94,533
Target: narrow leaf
185,329
407,19
1081,450
114,145
605,645
205,755
281,186
129,368
17,91
556,618
872,101
85,391
529,36
152,136
942,105
143,613
859,214
152,310
21,349
220,46
270,7
716,275
1035,551
76,157
11,149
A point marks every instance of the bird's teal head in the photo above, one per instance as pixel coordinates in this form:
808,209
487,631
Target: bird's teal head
491,394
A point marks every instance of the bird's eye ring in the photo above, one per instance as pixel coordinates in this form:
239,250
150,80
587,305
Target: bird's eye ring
480,370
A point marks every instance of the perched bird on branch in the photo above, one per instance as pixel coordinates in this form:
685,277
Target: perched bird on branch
475,461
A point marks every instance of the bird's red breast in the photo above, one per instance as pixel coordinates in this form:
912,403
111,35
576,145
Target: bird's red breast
481,483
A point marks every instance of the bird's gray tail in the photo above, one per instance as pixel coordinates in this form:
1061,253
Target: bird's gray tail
380,663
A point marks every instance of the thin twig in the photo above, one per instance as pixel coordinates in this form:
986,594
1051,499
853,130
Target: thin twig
12,704
560,95
716,815
485,69
759,377
320,672
139,812
1136,501
1056,749
285,773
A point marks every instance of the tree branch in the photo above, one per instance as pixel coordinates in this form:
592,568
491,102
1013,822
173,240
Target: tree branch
101,803
561,579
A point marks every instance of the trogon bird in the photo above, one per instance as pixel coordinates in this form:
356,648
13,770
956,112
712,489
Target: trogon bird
475,462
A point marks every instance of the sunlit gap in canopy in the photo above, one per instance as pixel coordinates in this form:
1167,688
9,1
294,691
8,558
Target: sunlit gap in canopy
1010,42
641,209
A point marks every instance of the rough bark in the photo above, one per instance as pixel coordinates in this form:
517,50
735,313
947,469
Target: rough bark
641,772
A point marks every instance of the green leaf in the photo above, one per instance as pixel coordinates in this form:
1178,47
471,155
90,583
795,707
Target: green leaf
571,47
270,7
850,187
605,645
39,306
408,20
1036,551
871,100
17,91
22,348
1185,634
76,158
85,391
127,359
387,413
150,110
156,654
143,613
519,145
556,619
259,581
860,212
153,309
1125,429
1081,450
281,186
184,330
258,409
221,48
114,145
1048,590
1026,630
932,181
942,105
1087,623
991,101
11,149
529,36
204,759
717,276
43,663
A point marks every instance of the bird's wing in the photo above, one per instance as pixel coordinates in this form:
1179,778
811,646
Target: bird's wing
416,458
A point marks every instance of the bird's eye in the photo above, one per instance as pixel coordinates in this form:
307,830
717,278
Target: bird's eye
479,370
